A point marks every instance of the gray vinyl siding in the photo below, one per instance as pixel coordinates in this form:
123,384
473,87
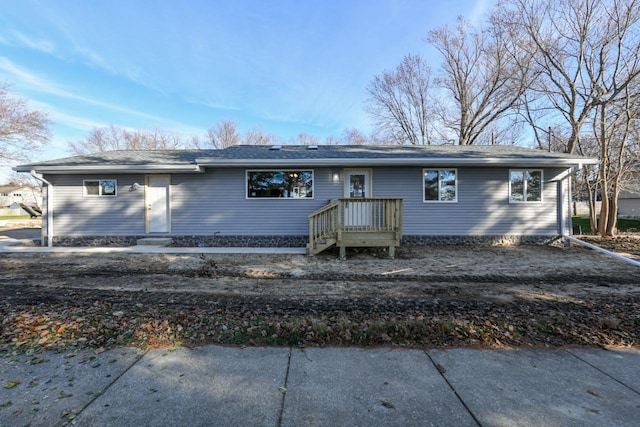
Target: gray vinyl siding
76,215
482,208
215,203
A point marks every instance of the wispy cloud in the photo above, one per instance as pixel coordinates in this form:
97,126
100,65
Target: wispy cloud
45,86
42,45
211,104
18,39
69,120
478,11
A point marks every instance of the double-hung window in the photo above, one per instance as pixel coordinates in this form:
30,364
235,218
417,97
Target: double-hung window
280,184
525,185
99,187
440,185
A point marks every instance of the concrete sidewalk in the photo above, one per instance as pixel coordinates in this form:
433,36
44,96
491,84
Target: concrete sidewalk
224,386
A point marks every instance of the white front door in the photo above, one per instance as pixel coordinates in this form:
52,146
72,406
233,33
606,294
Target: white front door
357,185
157,203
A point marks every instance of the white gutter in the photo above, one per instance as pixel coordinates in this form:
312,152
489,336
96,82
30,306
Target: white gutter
598,248
49,207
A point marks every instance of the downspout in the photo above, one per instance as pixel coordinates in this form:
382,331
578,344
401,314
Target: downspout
560,211
573,239
49,206
598,248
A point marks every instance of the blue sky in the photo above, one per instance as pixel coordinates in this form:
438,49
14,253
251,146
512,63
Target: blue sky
287,67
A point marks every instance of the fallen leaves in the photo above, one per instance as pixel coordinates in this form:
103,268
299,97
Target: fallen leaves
361,322
456,312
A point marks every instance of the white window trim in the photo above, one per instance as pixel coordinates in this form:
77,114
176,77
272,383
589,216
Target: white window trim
524,189
439,193
313,183
84,188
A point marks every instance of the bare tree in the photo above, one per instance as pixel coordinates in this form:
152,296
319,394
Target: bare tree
399,103
305,139
224,134
21,129
483,74
256,136
352,136
573,43
152,140
615,130
587,58
116,138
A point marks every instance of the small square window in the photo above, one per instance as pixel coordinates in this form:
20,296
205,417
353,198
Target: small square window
525,185
440,185
100,188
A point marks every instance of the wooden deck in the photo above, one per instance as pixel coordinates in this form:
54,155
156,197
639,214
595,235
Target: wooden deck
372,222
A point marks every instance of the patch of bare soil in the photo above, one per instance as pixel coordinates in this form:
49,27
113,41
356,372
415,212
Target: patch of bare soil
427,297
625,244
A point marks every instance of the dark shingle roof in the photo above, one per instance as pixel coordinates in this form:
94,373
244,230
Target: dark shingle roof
382,152
251,155
129,157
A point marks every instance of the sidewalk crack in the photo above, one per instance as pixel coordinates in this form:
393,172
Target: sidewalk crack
603,372
283,389
108,386
441,370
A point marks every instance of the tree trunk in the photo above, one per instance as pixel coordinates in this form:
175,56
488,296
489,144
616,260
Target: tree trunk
592,211
612,220
612,224
604,173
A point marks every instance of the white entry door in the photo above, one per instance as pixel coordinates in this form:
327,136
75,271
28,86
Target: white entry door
357,186
157,203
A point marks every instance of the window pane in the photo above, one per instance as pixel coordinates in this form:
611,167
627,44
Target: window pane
534,186
357,184
303,184
92,188
108,187
516,179
280,184
430,185
448,185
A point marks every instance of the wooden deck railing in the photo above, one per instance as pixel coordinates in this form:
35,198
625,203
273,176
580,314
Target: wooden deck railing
356,222
323,228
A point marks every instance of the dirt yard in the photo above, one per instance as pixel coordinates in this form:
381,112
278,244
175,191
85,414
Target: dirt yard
427,297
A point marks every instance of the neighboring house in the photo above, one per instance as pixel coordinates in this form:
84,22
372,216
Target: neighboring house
629,198
263,196
13,195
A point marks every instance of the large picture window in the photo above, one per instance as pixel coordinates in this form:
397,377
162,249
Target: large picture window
100,187
525,186
440,185
280,184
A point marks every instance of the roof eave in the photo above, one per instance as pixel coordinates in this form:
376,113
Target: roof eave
84,169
